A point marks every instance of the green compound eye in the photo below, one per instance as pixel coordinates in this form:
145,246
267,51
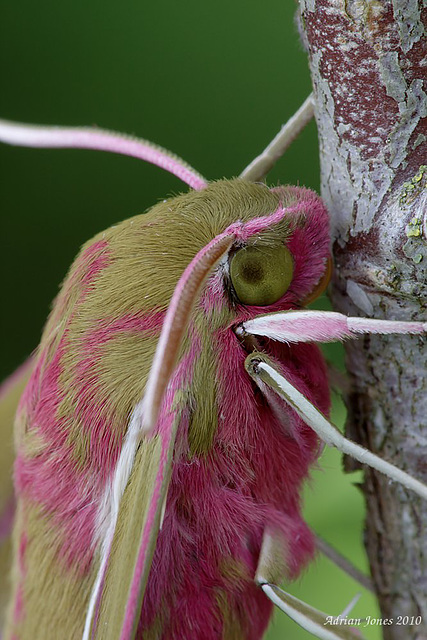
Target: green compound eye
261,275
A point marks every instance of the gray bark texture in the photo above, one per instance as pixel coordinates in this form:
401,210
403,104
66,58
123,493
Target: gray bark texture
368,60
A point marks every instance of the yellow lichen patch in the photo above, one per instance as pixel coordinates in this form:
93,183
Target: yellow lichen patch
365,15
413,187
414,229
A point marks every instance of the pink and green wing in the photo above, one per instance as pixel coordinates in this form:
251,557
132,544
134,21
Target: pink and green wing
116,602
117,607
10,393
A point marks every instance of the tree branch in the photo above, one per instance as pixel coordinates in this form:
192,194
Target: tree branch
368,61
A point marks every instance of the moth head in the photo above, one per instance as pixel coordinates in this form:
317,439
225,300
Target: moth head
279,260
268,251
149,289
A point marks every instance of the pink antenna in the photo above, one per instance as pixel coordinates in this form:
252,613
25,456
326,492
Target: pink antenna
28,135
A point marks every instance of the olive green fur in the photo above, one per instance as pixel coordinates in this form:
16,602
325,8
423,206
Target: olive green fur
63,591
145,257
150,252
231,629
204,415
8,405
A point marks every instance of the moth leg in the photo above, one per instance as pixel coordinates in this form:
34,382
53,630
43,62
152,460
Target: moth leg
258,168
344,564
270,571
267,376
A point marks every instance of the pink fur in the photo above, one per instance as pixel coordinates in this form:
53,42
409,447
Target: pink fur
302,326
253,475
96,417
180,380
218,506
90,263
309,245
243,232
72,500
18,609
87,266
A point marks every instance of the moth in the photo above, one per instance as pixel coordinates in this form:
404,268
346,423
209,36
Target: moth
173,410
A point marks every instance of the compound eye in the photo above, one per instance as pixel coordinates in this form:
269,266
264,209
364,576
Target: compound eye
261,275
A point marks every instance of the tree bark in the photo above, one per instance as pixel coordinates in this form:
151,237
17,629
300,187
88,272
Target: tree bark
368,61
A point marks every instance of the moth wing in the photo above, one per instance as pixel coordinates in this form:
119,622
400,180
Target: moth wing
118,606
10,393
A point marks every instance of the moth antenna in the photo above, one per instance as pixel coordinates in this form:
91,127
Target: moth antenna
260,369
29,135
175,323
344,564
309,618
263,164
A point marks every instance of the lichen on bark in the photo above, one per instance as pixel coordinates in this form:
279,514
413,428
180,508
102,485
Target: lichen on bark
368,61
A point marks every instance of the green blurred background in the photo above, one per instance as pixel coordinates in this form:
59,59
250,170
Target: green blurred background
211,81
